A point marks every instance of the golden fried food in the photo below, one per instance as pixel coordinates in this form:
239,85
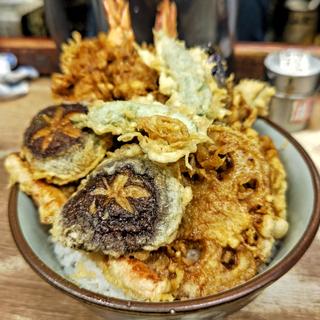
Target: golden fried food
49,199
153,124
58,151
55,150
185,74
126,205
107,67
92,70
186,78
137,279
236,208
189,200
238,173
228,229
249,99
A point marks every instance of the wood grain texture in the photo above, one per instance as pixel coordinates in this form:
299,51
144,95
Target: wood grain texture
24,296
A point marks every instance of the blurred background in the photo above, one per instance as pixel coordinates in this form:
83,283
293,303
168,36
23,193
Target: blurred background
244,32
40,26
291,21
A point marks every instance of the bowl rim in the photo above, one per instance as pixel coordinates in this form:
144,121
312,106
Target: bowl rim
258,282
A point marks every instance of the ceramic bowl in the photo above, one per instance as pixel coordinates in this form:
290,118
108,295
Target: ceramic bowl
303,214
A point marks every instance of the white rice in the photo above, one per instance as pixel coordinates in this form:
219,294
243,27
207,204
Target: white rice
71,259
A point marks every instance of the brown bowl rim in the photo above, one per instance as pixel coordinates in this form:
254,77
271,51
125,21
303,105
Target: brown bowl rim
258,282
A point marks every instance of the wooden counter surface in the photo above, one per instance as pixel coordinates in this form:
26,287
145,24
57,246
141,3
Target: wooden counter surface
24,296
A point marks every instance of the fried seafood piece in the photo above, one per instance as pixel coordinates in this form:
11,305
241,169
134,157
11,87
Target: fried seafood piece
48,198
137,279
164,135
125,205
166,18
58,151
106,67
118,14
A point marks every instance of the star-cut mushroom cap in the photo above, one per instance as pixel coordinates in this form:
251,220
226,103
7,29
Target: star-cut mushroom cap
124,206
57,150
51,130
121,192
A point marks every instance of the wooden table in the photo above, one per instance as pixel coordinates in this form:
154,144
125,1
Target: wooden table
24,296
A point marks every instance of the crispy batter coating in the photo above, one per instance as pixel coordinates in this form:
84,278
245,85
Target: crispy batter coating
127,204
248,100
165,128
238,210
163,135
229,228
106,67
92,69
49,199
58,151
136,280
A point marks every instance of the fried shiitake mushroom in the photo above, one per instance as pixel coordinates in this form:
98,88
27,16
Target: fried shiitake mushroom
124,206
57,150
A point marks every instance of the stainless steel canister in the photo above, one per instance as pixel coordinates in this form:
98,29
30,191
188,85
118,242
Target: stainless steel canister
295,75
301,26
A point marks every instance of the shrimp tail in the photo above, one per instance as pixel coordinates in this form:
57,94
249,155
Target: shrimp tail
166,18
118,15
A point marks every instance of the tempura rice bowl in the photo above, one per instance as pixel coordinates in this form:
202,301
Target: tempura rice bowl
303,214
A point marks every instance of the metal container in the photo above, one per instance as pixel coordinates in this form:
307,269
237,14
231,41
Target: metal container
295,75
294,85
301,26
291,112
314,123
293,71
